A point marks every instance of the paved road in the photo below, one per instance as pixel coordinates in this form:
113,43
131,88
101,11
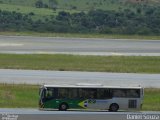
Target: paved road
33,114
21,44
70,77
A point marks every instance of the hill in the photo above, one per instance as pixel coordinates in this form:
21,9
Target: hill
83,16
42,8
74,5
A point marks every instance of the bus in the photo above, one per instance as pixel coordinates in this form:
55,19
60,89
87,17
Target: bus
90,97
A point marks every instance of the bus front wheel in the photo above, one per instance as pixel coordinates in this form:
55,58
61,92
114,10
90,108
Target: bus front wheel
113,107
63,107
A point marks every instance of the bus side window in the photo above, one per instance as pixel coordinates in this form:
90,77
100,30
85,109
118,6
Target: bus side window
63,93
92,94
104,93
81,93
133,93
119,93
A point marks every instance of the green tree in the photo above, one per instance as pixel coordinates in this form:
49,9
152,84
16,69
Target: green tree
39,4
53,4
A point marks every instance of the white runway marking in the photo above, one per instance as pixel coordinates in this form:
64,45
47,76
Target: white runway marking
10,44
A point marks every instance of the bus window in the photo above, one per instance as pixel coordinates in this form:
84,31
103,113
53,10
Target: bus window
73,93
119,93
81,93
49,93
87,93
133,93
93,94
104,94
62,93
128,93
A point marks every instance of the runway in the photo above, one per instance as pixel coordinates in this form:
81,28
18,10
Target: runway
72,77
35,114
78,46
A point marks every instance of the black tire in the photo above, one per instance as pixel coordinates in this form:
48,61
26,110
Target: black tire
63,107
113,107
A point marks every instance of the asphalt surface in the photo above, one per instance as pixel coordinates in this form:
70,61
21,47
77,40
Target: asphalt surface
80,46
34,114
72,77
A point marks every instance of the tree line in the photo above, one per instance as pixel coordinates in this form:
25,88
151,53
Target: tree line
95,21
52,4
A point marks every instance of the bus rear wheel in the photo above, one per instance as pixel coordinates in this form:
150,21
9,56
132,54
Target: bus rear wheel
113,107
63,107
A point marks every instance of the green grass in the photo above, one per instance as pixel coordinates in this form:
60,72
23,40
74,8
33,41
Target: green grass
131,64
18,96
72,6
39,13
152,99
83,5
26,9
26,96
20,2
27,6
78,35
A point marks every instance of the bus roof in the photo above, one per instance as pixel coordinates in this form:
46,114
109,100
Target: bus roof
91,86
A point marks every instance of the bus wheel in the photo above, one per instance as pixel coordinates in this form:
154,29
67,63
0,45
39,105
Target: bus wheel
113,107
63,107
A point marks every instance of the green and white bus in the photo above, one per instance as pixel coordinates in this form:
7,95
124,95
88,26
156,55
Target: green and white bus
90,97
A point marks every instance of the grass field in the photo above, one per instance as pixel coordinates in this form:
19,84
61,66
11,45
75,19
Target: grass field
78,5
131,64
152,99
72,6
26,96
26,9
28,6
39,13
78,35
18,96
